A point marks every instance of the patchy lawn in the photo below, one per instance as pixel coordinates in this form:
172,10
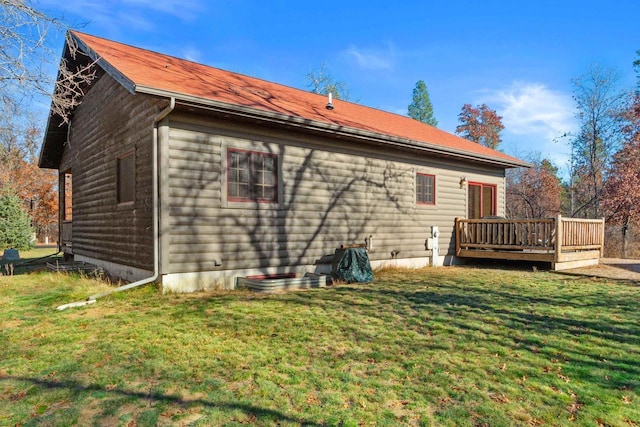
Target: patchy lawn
446,346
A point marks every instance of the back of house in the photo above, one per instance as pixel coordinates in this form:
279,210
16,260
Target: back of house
199,175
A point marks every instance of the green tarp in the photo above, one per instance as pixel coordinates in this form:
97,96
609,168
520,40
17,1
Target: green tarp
352,265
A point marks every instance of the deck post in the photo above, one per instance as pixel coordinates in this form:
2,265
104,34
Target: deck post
602,239
457,236
558,243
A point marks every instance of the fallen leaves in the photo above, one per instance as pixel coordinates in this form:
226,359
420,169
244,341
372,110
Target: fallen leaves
18,396
499,397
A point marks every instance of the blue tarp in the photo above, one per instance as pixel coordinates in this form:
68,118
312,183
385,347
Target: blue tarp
352,265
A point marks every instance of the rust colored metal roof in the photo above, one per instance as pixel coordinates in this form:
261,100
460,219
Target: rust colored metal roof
144,71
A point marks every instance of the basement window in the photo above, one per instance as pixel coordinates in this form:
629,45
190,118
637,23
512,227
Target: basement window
126,179
425,189
252,176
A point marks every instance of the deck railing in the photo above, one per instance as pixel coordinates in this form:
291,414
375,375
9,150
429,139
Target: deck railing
582,234
552,236
506,233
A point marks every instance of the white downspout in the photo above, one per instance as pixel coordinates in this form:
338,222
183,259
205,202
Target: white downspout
156,219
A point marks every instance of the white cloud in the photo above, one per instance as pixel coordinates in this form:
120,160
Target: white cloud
535,117
372,59
533,109
96,11
133,20
192,54
183,9
135,13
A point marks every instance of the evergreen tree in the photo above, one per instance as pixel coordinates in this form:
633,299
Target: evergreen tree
421,109
15,224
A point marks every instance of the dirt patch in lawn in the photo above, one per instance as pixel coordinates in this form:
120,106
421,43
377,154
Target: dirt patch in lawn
611,268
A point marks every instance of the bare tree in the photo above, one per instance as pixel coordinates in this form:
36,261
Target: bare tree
26,55
73,80
621,189
27,73
600,105
24,51
534,192
322,82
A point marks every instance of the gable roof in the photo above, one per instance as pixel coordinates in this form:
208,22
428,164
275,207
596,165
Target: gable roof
144,71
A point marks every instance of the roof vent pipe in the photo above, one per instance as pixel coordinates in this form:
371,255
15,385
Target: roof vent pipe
330,103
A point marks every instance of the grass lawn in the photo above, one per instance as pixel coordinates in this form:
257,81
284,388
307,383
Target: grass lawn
445,346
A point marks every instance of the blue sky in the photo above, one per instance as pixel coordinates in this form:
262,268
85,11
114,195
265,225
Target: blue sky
517,57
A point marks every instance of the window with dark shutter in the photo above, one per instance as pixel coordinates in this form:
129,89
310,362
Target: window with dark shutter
126,180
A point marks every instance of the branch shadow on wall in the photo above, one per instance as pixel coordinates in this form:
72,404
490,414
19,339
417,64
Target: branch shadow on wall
321,208
324,202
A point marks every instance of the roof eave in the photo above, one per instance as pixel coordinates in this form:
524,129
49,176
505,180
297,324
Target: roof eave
47,158
296,121
44,160
55,126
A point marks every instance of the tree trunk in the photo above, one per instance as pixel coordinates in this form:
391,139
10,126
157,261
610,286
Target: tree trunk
625,240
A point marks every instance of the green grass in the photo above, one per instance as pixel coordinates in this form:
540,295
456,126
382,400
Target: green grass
446,346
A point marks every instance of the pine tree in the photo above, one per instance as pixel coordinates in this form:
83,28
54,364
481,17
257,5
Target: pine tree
15,224
421,109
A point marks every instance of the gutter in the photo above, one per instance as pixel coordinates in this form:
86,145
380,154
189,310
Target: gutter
156,219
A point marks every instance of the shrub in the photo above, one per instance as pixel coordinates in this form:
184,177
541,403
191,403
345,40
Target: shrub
15,223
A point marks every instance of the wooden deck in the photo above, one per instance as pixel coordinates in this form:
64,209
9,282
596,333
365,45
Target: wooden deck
563,242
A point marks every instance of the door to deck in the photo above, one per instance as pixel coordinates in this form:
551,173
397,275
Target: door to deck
66,213
482,200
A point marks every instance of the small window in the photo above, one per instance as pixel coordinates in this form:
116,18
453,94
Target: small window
252,176
425,189
126,180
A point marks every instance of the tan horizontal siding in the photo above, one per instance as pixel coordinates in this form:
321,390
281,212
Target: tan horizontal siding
223,227
333,194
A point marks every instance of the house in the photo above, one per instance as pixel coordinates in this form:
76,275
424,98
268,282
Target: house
194,175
